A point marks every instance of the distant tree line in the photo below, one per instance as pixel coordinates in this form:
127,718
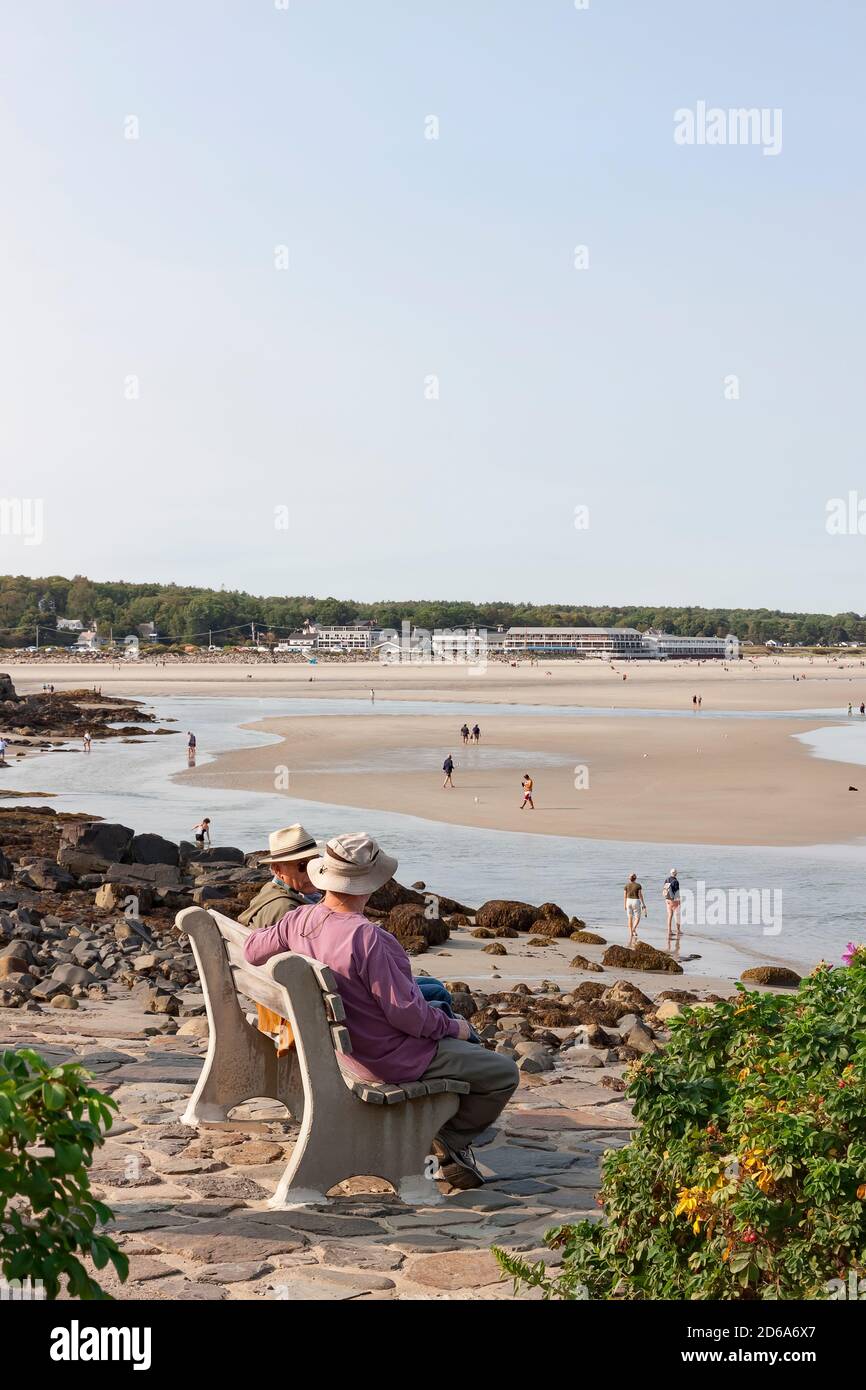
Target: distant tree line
189,614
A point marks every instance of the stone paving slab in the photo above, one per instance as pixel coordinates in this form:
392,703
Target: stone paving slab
190,1204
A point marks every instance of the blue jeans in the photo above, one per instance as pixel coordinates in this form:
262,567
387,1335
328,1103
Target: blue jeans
438,997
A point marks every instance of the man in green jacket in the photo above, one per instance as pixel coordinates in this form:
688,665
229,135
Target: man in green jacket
291,850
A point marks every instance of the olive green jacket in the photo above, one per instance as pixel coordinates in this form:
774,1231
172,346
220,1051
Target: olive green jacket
270,904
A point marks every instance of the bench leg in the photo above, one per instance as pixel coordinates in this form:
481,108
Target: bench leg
241,1062
361,1140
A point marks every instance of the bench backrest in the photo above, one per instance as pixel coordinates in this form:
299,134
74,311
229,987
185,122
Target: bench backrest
294,986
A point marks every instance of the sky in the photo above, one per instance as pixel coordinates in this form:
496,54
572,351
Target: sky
292,301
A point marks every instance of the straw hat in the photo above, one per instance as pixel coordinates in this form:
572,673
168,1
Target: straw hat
292,843
352,863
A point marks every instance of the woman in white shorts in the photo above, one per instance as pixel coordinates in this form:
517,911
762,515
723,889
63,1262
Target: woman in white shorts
635,906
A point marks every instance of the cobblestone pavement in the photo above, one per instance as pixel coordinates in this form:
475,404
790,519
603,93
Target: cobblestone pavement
191,1205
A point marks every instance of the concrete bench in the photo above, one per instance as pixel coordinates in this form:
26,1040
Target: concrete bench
349,1128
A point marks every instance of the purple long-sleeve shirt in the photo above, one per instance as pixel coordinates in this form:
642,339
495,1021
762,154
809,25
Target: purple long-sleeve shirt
394,1031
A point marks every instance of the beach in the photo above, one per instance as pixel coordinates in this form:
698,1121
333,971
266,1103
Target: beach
626,759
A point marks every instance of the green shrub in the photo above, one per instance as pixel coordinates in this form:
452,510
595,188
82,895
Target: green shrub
747,1178
50,1122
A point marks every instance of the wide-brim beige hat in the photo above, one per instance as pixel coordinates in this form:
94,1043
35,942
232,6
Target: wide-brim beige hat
294,842
352,863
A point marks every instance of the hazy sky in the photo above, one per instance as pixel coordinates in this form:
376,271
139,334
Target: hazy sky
151,265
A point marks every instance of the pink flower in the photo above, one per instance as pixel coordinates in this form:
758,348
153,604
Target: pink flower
850,952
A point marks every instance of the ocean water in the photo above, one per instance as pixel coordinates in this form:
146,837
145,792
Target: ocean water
812,903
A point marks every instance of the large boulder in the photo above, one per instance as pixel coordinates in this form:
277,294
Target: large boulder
410,920
153,849
506,912
589,938
771,975
627,997
219,854
7,689
45,875
149,875
393,894
100,838
643,957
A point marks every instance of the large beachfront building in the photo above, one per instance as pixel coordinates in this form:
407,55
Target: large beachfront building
626,643
664,646
350,637
573,641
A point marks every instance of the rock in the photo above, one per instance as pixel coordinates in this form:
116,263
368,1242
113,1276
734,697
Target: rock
194,1028
581,963
393,893
130,929
587,990
45,876
771,975
532,1065
589,938
482,933
625,996
495,948
643,957
668,1009
73,975
150,875
99,839
19,981
584,1057
641,1039
411,919
153,849
505,912
551,921
159,1001
463,1003
64,1001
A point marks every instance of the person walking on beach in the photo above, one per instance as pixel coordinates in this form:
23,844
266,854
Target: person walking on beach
190,741
464,733
671,895
448,768
862,707
202,832
87,741
2,752
634,906
526,788
700,701
372,696
850,709
476,734
694,702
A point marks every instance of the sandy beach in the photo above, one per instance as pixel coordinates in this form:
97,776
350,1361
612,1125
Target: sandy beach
693,777
765,683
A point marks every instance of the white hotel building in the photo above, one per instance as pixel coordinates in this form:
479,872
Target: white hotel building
625,643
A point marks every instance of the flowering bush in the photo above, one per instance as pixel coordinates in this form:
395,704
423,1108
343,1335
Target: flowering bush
747,1178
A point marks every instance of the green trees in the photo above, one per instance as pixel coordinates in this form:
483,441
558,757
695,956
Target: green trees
185,613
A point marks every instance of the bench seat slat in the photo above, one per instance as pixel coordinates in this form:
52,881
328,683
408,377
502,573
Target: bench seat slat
342,1041
458,1088
336,1008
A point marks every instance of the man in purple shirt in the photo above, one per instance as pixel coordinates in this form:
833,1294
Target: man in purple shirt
396,1035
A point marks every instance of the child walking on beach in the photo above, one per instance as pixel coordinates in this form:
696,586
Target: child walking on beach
526,787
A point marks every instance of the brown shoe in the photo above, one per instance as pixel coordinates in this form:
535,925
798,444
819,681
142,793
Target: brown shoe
457,1166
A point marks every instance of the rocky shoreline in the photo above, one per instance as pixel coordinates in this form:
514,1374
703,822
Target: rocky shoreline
88,908
45,720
